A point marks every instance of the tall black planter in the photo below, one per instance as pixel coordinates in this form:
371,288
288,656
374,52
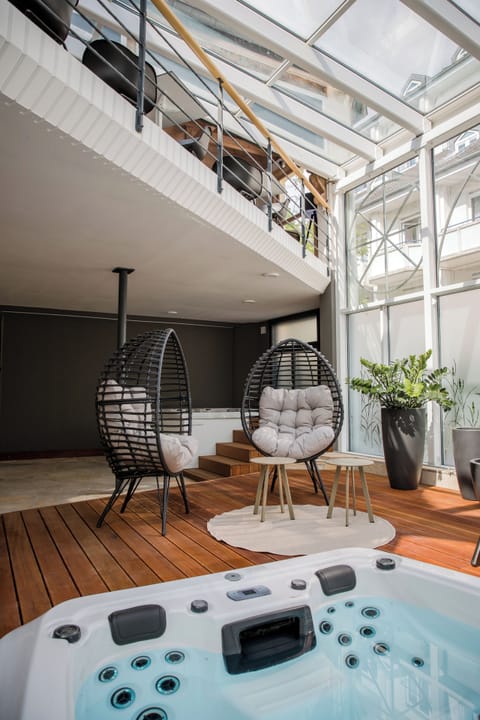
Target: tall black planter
403,434
466,447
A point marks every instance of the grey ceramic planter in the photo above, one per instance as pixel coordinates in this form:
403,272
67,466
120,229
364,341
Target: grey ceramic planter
403,434
475,472
466,447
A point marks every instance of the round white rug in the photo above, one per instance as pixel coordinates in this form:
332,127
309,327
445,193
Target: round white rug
310,532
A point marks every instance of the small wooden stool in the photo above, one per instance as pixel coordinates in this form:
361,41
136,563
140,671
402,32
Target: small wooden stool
262,490
349,463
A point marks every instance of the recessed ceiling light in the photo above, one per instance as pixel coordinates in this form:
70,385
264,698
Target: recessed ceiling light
172,312
271,274
249,301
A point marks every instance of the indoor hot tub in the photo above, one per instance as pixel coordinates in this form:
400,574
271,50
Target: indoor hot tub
333,636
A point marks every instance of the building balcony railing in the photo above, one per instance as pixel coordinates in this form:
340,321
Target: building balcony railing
133,49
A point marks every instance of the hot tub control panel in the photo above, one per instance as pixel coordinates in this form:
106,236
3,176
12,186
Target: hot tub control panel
249,593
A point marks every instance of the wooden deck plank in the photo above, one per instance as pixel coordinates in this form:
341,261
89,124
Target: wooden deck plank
57,579
201,513
111,572
9,609
432,525
130,561
156,550
33,599
83,572
180,533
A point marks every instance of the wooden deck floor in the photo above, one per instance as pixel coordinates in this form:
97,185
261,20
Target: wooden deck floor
49,555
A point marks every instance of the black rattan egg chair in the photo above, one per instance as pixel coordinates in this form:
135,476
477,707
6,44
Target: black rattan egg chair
53,16
292,405
116,65
246,178
144,415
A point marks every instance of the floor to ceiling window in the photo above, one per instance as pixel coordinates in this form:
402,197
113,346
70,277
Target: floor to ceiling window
413,280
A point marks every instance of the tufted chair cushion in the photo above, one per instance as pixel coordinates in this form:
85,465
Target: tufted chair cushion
294,423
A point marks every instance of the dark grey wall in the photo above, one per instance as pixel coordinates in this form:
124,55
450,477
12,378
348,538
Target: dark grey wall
208,353
51,364
327,323
50,369
249,344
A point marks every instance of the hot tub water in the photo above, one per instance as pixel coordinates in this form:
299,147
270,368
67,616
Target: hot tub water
375,659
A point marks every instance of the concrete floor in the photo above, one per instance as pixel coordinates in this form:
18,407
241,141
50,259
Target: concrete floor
52,481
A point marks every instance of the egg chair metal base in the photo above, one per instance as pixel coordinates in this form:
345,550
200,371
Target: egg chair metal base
132,486
317,481
316,478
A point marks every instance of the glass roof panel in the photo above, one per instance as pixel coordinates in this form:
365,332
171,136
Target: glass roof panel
301,17
335,104
313,142
471,7
220,40
400,52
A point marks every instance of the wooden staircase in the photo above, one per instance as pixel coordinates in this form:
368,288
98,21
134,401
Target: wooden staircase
231,458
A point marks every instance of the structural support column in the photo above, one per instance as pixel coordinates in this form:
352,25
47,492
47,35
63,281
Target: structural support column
123,274
427,213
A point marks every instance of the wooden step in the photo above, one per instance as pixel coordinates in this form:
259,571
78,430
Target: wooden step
199,475
238,450
225,466
239,436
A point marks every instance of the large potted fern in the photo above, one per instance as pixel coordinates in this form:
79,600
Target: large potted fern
403,388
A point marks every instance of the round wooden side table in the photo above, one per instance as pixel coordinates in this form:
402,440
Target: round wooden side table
350,464
266,463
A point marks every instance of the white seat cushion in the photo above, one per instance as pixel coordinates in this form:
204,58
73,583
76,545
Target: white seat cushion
295,423
178,450
130,429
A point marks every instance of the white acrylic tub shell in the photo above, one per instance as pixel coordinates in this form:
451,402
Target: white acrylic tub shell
40,676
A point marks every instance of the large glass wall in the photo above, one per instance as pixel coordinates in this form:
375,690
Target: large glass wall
384,242
365,333
386,252
370,337
457,190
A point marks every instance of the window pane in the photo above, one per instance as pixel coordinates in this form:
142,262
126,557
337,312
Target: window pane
302,136
302,328
225,42
384,240
364,336
457,203
406,330
335,104
460,346
471,7
301,17
401,52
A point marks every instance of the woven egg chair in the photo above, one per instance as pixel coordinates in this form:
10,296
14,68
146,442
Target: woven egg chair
144,416
292,405
53,16
118,66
